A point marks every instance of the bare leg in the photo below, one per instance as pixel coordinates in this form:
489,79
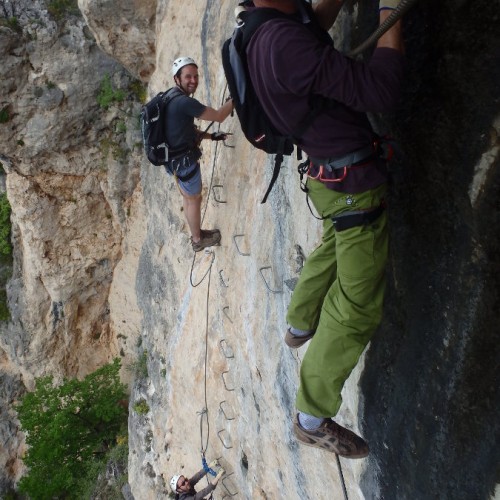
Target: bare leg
192,209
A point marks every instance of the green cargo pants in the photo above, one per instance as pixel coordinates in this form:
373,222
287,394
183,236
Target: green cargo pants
340,294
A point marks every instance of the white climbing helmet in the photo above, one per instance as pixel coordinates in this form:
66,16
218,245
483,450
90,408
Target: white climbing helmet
180,63
173,482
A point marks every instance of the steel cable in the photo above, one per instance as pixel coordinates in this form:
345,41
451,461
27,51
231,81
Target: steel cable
403,7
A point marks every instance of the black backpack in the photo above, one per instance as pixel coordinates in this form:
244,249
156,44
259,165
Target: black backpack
154,126
254,122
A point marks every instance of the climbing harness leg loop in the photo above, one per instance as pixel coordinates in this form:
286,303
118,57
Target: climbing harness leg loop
361,218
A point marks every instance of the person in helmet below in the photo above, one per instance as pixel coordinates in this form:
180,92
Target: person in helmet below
184,487
184,139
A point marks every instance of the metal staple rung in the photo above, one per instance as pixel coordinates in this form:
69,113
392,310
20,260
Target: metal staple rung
224,413
224,380
236,245
227,489
215,194
265,282
226,355
225,313
222,279
222,441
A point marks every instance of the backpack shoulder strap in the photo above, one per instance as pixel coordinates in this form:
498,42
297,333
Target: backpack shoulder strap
254,19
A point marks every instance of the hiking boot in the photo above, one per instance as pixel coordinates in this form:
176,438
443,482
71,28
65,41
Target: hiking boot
296,341
331,436
208,238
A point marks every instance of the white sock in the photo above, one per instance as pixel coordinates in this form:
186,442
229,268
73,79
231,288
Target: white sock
309,422
299,333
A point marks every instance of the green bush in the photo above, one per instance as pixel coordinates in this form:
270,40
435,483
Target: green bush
61,8
140,367
139,90
96,485
69,429
12,23
141,407
5,225
4,115
107,94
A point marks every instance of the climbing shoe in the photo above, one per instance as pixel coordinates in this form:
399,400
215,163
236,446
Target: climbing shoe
209,238
296,341
332,437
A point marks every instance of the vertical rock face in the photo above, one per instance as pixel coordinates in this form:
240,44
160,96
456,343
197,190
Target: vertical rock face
99,251
126,31
72,181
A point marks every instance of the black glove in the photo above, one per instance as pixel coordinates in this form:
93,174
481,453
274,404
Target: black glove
219,136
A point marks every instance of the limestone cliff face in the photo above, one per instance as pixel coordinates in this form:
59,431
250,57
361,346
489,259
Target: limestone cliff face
127,32
219,376
419,406
73,184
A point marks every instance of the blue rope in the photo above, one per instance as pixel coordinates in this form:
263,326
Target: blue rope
206,468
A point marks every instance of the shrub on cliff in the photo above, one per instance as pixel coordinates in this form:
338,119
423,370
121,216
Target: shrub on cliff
5,247
69,429
108,94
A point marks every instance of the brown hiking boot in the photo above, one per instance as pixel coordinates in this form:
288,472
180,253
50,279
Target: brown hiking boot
296,341
209,238
331,436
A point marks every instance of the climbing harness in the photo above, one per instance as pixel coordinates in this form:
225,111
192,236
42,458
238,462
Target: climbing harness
347,220
316,169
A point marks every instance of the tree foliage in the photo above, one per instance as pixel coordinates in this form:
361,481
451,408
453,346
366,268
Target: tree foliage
68,428
5,225
108,94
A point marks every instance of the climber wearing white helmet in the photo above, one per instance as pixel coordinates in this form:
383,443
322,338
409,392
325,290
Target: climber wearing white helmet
184,487
184,139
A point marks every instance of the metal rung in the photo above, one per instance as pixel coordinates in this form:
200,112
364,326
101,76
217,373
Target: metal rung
236,245
215,194
222,279
265,282
229,494
224,413
229,355
225,313
224,380
222,441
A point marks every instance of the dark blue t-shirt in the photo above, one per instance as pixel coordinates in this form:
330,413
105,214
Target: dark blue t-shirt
181,112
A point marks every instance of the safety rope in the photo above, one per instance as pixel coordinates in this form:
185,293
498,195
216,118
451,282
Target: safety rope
402,8
206,202
204,419
342,481
204,412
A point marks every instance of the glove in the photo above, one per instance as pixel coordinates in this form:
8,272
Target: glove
214,463
219,136
220,473
388,4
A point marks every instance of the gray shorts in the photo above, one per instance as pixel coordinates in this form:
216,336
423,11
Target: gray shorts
188,173
193,185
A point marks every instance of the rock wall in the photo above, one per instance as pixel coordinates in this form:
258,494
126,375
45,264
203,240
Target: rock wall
211,325
427,393
73,184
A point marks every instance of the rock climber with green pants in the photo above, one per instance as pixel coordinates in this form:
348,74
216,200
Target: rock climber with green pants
337,302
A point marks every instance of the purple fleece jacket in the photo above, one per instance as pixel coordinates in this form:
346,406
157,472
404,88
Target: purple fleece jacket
287,64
